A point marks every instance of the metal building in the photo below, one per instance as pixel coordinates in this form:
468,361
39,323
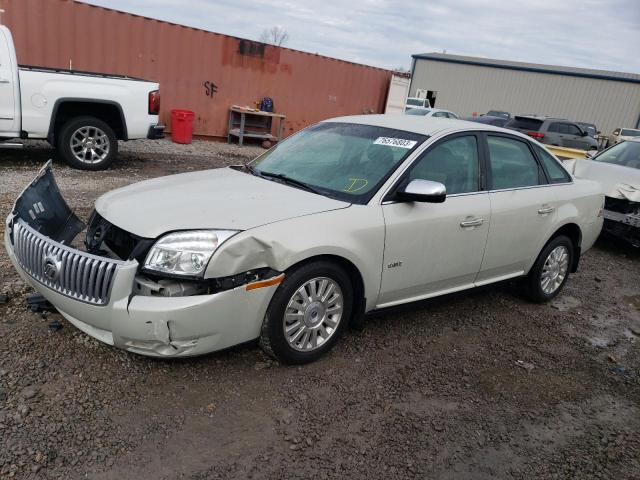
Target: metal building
468,85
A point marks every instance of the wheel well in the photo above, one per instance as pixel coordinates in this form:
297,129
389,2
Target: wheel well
354,276
574,233
110,113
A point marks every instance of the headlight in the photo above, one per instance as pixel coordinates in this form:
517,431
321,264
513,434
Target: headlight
185,253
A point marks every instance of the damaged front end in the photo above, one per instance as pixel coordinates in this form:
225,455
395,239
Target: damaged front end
622,219
102,289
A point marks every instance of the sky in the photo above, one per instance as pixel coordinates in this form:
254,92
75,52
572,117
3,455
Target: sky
602,34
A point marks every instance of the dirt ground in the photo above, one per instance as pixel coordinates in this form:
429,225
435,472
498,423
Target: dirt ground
480,385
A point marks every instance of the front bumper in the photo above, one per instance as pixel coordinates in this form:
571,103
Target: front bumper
160,326
156,131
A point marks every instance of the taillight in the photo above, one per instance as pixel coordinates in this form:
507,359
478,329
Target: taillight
154,102
537,135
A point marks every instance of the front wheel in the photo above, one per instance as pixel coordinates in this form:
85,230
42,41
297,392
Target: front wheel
308,313
87,143
551,270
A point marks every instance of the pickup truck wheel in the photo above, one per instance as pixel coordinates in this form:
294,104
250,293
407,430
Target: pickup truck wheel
551,270
87,143
308,313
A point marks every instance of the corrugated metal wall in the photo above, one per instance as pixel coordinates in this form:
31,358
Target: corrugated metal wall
465,89
305,87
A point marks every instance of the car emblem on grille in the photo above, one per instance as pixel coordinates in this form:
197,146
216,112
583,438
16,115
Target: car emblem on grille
51,267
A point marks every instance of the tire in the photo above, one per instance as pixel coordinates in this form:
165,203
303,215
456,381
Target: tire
98,135
316,317
540,290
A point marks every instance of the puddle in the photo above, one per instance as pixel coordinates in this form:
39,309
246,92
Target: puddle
632,301
566,302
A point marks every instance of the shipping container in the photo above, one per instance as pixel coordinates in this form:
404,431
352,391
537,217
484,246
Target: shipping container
198,70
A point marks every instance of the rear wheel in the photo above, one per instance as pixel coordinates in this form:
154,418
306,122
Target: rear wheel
87,143
308,313
551,270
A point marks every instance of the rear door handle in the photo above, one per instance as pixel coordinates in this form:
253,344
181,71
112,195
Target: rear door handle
545,210
4,80
475,222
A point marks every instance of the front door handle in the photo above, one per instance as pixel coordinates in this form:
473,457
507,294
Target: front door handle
545,210
474,222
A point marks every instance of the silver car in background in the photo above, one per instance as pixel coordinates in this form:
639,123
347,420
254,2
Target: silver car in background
553,131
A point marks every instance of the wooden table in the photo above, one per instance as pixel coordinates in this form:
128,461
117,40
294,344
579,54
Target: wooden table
251,124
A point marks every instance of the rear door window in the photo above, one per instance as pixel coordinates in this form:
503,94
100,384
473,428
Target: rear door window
512,164
553,127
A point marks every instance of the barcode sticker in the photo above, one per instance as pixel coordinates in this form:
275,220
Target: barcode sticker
395,142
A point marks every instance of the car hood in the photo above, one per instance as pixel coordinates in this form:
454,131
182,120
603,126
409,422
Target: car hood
222,198
617,181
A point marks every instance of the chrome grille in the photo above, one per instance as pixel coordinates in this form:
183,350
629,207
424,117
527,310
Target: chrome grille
68,271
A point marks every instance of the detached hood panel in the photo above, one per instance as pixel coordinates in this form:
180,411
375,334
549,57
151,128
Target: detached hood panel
222,198
617,181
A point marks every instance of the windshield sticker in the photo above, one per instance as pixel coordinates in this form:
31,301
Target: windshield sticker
356,184
395,142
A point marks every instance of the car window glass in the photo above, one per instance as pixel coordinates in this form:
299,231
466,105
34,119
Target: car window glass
626,154
553,127
573,130
453,163
512,164
563,128
556,173
440,114
341,160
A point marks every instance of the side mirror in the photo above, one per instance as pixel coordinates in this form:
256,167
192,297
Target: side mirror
591,153
422,191
584,133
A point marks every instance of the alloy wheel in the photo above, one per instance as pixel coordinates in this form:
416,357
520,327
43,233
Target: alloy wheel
313,314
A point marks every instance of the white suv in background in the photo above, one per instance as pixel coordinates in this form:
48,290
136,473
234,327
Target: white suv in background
622,134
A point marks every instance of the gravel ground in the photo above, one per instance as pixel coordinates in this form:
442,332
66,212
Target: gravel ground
480,385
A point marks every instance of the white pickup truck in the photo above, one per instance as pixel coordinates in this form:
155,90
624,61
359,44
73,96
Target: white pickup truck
82,114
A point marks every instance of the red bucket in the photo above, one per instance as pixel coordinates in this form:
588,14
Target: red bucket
182,126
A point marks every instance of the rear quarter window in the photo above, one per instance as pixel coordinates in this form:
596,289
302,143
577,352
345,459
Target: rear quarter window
556,173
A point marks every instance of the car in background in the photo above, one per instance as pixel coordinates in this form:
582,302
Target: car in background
553,131
489,120
416,102
622,134
590,128
431,112
618,170
498,113
345,217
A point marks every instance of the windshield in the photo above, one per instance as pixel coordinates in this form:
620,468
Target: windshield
417,102
626,154
627,132
589,129
417,111
345,161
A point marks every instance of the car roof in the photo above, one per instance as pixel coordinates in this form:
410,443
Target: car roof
421,125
